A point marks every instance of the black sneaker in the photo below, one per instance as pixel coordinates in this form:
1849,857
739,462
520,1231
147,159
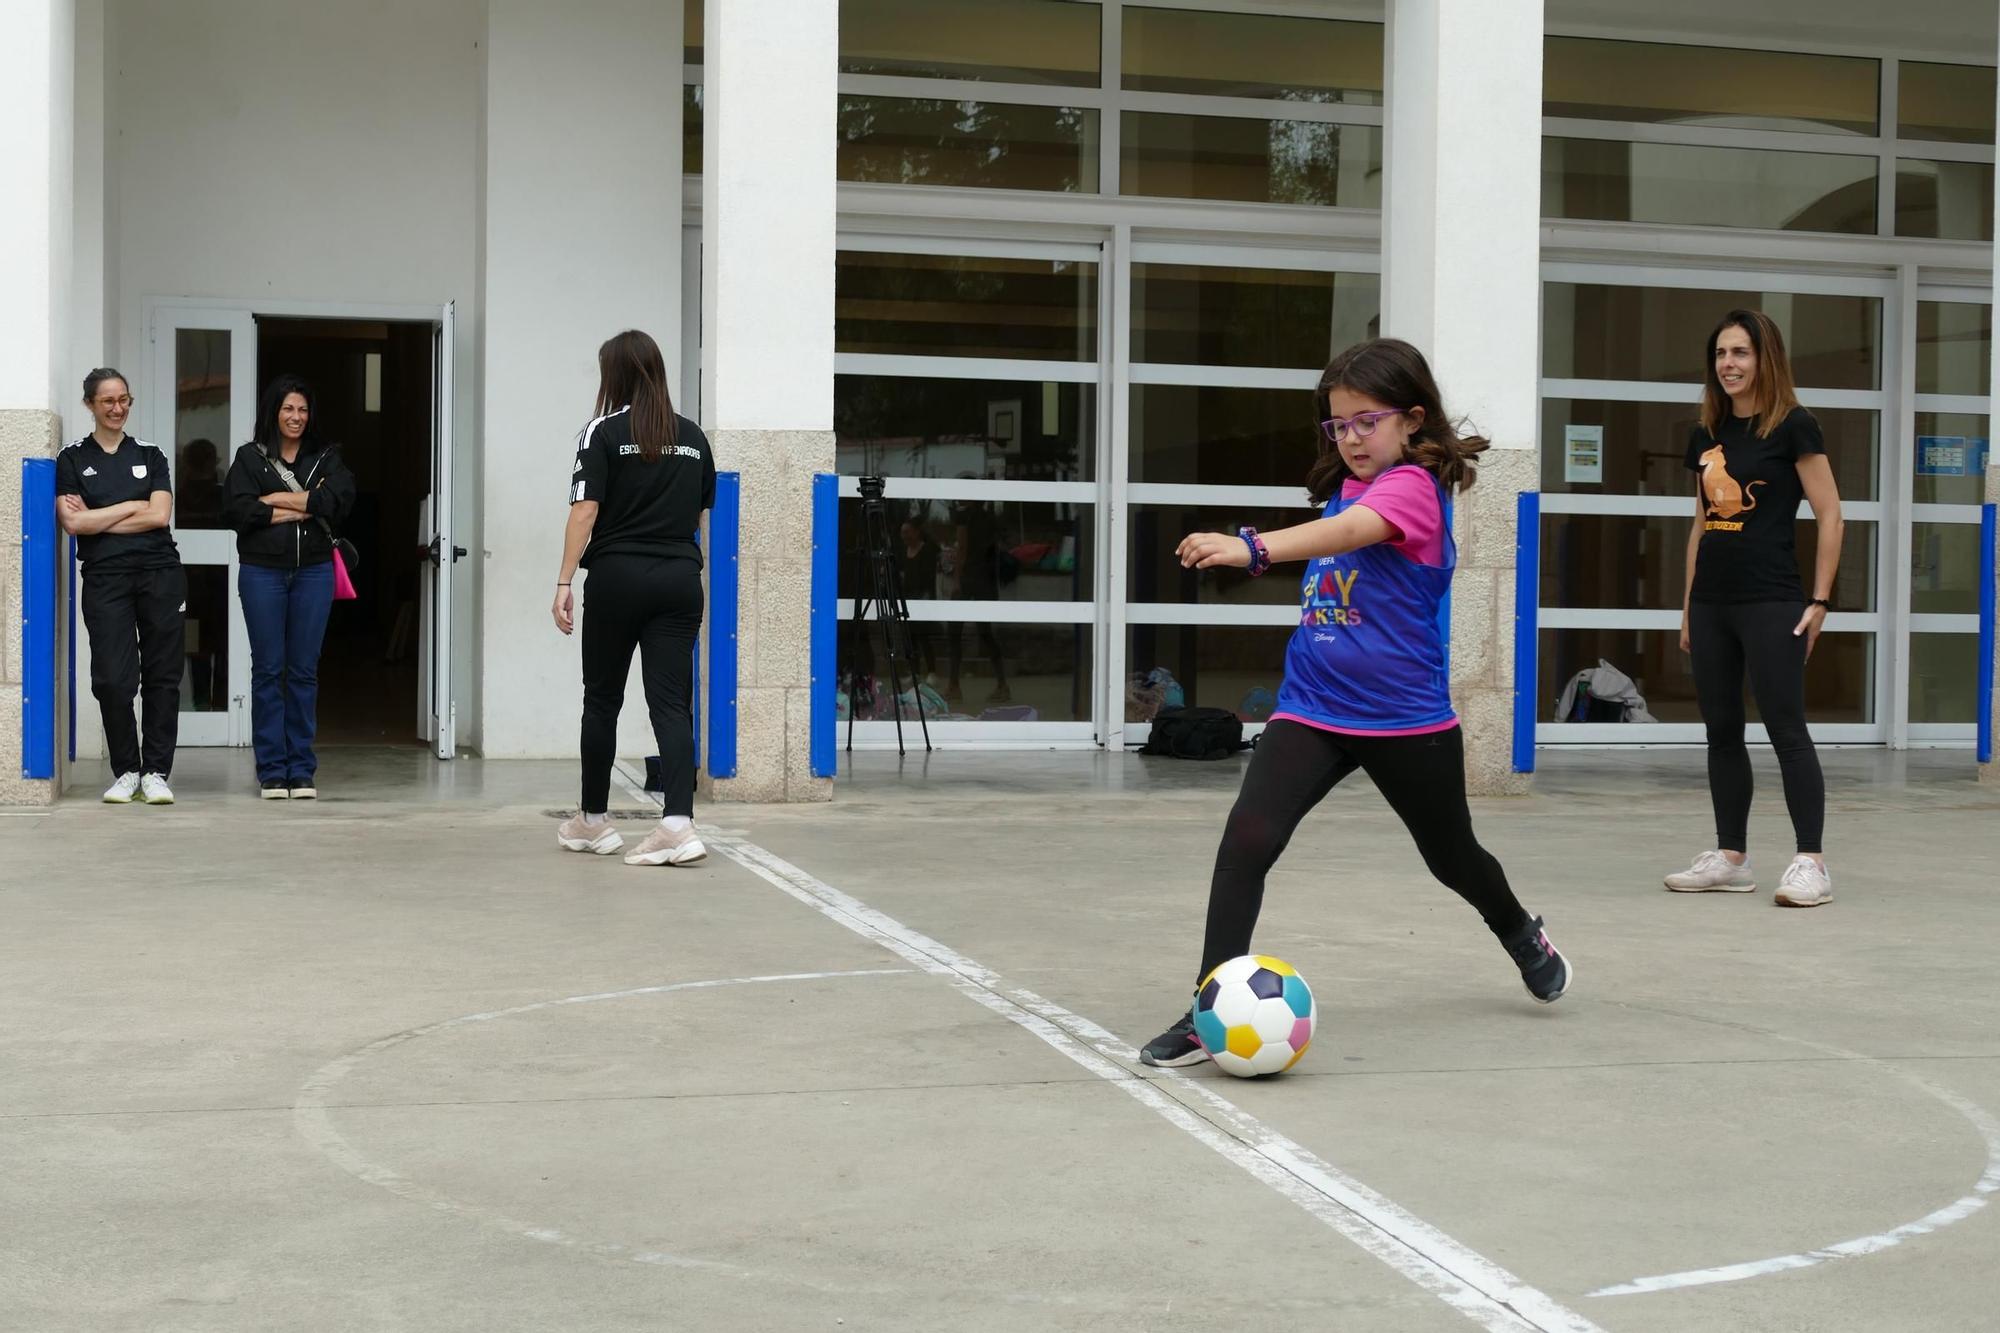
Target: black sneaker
1174,1047
1545,972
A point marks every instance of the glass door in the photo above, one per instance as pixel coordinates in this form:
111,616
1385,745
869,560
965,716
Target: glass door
201,407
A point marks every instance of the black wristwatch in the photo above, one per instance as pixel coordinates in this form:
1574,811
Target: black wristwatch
1819,601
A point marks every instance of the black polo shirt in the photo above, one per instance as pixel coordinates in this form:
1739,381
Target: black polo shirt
650,509
105,478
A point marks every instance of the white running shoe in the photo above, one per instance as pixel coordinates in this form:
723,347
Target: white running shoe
122,791
662,848
1712,872
1805,884
574,835
153,790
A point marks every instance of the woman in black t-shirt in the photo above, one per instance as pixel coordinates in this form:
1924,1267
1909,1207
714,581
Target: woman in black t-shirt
642,479
1755,456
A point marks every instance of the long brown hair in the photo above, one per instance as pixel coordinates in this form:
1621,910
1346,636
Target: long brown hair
1391,371
631,371
1772,393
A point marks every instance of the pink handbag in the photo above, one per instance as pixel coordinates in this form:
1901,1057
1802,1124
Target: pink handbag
343,586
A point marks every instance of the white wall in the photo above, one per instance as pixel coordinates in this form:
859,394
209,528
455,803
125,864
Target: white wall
36,36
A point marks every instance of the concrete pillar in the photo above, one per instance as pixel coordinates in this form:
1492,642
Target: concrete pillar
1461,236
580,233
767,230
36,58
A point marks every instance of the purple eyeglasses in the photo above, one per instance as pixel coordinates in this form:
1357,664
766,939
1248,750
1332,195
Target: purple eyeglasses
1362,422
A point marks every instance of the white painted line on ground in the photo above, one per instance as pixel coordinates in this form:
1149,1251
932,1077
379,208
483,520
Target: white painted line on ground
1956,1211
1468,1282
310,1117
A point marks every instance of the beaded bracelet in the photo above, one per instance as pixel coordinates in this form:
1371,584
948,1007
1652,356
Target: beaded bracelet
1260,555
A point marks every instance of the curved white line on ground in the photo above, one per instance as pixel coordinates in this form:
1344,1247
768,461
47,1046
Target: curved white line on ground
1957,1211
309,1115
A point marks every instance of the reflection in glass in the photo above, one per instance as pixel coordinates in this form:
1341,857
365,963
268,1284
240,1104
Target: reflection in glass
1944,678
205,681
953,305
1952,453
691,25
1013,430
1944,568
1954,347
1237,667
1212,315
972,671
1252,55
1951,201
1645,447
1014,41
1952,103
1154,573
1222,437
1839,679
990,145
1634,563
202,447
979,550
1604,332
1257,161
1718,87
691,129
1618,181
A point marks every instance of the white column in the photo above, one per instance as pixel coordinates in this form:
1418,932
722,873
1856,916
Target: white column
767,226
1461,279
36,56
581,237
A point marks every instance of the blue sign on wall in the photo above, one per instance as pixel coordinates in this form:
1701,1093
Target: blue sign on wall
1951,456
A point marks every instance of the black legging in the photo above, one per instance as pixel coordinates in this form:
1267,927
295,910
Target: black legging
653,605
1294,767
1724,639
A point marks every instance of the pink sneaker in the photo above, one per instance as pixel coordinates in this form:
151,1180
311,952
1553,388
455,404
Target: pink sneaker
574,835
662,848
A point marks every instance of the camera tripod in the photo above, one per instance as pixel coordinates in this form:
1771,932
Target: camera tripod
882,589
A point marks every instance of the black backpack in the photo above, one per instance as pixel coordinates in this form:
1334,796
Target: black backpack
1195,733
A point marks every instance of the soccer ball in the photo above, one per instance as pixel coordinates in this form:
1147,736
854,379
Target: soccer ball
1254,1015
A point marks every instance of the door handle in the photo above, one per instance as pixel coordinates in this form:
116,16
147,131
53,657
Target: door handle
434,552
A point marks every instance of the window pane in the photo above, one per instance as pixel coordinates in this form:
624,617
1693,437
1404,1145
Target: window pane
1840,681
1952,454
1944,677
1645,447
691,129
973,672
1626,562
1252,55
1613,181
1716,87
202,446
1603,332
1951,201
1154,574
977,550
205,682
1949,102
1004,430
1944,569
1218,316
1954,347
929,141
1016,41
1236,667
954,305
1256,161
692,17
1222,437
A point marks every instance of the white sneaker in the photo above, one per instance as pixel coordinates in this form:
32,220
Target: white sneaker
305,793
1712,872
1805,884
153,790
662,848
275,793
574,835
122,791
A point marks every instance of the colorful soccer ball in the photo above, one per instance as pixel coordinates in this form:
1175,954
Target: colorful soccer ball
1254,1015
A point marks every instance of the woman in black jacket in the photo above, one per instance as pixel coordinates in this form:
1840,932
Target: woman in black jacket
287,492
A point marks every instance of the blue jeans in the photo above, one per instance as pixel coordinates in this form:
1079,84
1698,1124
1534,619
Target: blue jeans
286,612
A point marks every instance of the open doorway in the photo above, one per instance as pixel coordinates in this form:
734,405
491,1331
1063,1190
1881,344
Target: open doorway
373,380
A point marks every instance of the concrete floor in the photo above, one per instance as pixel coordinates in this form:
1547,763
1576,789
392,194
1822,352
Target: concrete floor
300,1067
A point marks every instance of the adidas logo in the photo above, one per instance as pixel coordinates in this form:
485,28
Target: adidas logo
90,472
184,607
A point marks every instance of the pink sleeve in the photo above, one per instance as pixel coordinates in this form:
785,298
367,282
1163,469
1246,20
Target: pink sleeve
1407,499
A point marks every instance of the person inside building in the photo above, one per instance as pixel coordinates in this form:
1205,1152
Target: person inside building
285,496
115,496
1366,684
642,479
1755,454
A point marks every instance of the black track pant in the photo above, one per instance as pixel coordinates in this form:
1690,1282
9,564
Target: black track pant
653,605
1423,779
1726,641
137,622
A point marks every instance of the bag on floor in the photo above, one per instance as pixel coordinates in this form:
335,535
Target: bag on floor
1195,733
1602,693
